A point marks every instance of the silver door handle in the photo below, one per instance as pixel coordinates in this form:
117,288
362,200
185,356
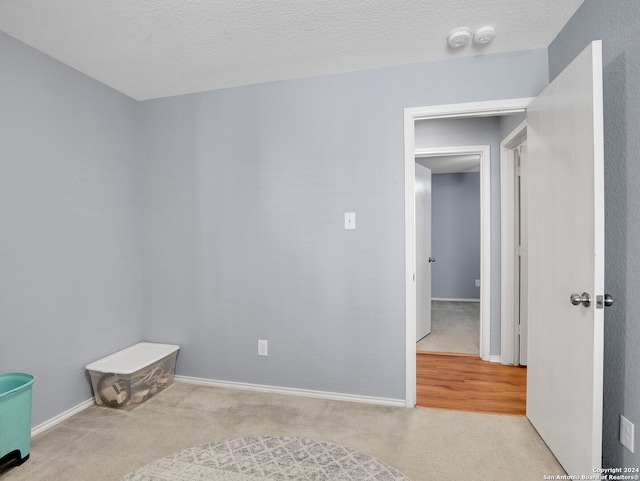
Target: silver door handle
584,299
608,300
432,259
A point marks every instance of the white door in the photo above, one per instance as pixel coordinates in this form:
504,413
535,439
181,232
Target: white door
423,251
566,255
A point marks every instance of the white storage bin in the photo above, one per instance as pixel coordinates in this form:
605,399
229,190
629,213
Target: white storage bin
129,377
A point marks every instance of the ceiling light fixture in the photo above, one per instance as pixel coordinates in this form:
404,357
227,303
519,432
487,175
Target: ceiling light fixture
484,35
459,37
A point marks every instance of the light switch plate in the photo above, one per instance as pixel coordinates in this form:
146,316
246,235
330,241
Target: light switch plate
349,220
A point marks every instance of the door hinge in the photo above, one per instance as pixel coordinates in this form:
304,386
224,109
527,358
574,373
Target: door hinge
519,330
519,251
519,171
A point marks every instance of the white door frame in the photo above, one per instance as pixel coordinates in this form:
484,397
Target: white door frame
411,115
484,151
508,306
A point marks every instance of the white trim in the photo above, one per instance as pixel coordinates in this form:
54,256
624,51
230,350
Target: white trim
484,151
489,108
485,254
507,244
453,299
495,358
40,428
448,151
475,109
410,116
516,137
290,391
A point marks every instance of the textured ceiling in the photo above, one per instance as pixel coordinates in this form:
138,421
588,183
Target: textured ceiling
157,48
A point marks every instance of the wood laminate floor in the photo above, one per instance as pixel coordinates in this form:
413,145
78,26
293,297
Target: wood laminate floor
465,382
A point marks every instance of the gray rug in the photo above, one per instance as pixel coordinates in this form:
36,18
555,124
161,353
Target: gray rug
261,458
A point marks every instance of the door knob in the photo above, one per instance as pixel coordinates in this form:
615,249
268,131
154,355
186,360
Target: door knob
584,299
604,301
432,259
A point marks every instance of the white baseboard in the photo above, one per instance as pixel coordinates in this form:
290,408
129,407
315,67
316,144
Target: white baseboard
495,359
292,391
61,417
451,299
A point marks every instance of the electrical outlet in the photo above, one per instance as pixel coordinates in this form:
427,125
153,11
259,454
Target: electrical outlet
477,282
626,433
263,347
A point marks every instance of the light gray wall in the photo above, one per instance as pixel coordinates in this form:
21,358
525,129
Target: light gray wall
479,131
509,122
69,232
240,236
244,192
455,235
616,23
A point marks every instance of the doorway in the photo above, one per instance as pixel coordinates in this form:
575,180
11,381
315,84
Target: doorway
459,185
479,109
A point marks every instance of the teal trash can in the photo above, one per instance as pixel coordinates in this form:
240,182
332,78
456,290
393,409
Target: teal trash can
15,417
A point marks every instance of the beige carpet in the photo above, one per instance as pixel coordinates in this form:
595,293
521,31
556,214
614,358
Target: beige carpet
455,327
102,444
